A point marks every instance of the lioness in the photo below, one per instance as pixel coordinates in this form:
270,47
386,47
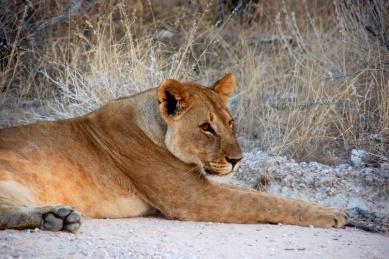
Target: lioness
154,152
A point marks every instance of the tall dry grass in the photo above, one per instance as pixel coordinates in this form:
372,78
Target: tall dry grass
311,86
322,94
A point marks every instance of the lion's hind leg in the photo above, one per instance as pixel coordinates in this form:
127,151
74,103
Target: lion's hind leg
52,218
18,212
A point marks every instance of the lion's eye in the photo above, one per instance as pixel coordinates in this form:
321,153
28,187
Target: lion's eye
206,128
231,123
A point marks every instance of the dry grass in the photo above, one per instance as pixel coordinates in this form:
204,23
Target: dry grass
312,86
321,97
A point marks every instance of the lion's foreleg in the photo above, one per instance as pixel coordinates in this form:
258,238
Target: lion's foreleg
250,206
235,205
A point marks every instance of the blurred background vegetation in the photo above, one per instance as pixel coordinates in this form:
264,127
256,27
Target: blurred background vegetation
312,75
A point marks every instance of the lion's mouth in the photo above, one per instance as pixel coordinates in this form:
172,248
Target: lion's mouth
209,171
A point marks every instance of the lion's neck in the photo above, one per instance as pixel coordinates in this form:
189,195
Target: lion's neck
126,115
148,117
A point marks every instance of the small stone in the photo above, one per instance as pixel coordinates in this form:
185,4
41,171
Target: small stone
369,179
339,172
358,157
313,164
385,166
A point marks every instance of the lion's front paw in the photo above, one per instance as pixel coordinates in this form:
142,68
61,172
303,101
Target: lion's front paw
56,218
325,217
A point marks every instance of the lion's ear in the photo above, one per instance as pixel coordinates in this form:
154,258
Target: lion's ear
174,100
225,86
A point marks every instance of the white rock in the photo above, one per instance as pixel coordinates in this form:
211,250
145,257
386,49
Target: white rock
165,34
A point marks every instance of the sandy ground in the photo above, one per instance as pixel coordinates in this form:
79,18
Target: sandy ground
161,238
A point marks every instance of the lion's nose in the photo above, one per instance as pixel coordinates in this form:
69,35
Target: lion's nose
233,161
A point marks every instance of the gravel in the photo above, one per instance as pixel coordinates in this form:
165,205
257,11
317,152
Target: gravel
362,192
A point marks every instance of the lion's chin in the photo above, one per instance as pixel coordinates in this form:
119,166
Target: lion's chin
219,179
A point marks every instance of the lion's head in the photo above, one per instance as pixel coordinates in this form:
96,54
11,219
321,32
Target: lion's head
201,130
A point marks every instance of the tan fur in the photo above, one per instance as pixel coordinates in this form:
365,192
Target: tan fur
142,154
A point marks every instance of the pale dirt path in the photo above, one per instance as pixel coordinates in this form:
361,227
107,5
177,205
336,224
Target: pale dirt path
160,238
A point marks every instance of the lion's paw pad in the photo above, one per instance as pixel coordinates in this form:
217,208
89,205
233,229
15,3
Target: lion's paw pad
61,218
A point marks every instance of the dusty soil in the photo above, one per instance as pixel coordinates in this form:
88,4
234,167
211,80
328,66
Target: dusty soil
161,238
